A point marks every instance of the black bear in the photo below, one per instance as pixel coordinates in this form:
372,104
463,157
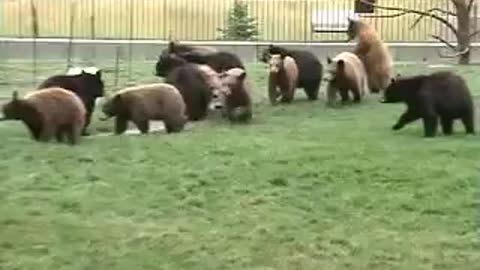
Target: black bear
88,85
310,70
441,94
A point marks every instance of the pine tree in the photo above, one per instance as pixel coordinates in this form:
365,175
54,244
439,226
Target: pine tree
240,26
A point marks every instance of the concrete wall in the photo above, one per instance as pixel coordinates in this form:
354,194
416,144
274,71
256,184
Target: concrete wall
97,50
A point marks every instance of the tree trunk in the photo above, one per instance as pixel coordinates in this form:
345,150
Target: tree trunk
463,31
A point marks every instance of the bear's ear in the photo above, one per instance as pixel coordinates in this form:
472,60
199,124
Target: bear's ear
15,95
340,64
242,75
171,47
329,60
283,54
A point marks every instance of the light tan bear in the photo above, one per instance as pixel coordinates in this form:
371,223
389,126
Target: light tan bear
346,74
283,77
374,54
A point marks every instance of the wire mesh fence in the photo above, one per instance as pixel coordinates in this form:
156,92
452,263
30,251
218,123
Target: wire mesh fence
199,20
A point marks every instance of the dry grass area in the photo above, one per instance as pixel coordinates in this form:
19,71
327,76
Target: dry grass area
196,19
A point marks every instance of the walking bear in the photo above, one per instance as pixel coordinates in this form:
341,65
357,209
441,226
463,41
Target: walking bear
442,94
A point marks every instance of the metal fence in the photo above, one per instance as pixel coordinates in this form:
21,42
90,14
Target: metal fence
199,20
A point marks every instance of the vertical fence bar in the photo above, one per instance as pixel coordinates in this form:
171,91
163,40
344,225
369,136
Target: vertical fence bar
130,38
35,33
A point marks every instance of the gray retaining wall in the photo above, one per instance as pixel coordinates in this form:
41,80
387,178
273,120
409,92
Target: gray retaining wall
16,48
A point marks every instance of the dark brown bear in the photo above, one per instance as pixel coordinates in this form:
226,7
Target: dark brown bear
143,103
87,86
235,97
218,60
442,94
192,83
48,113
310,70
175,47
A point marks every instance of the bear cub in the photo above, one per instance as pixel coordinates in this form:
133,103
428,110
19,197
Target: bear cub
441,95
51,112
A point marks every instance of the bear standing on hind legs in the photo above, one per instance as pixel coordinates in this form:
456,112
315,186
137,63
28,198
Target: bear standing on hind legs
373,52
442,94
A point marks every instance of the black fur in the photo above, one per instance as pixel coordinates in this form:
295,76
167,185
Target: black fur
219,61
196,93
441,95
87,87
310,70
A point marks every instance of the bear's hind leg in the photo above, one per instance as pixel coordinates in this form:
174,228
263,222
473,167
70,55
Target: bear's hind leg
447,125
356,95
468,122
74,133
59,135
311,90
120,125
344,95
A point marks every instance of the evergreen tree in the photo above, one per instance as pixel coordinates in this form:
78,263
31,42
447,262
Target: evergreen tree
240,26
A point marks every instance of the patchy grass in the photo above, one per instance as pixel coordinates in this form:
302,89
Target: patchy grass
302,187
199,19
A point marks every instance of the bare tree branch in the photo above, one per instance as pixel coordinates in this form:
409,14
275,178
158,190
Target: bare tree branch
454,55
423,13
446,12
470,5
474,33
385,16
444,41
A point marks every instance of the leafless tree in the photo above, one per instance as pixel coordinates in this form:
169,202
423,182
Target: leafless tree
461,31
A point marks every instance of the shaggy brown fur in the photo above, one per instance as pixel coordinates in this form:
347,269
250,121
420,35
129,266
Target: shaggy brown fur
237,104
48,113
283,76
142,103
374,54
346,73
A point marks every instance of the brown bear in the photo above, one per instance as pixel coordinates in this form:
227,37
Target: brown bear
47,113
142,103
310,70
86,83
373,52
346,73
441,95
235,97
283,76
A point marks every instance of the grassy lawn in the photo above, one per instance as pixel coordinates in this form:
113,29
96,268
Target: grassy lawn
302,187
199,19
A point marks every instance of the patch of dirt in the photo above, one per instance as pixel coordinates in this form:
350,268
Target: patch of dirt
155,127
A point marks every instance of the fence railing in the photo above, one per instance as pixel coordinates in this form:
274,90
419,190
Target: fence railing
277,20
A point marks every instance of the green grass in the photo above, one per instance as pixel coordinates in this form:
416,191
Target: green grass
288,20
302,187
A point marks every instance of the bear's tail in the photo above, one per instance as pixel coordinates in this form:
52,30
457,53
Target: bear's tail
240,114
